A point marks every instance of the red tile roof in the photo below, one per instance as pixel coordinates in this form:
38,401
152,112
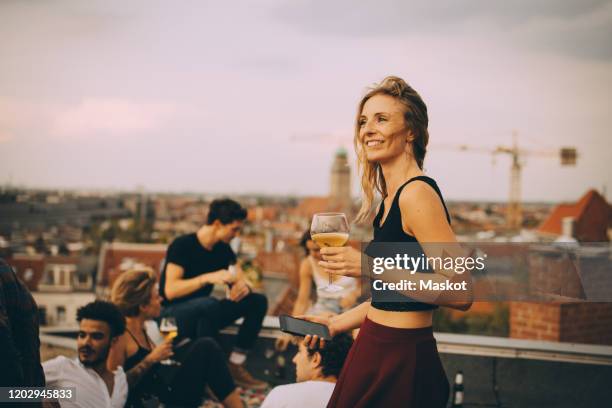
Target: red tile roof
310,205
112,255
22,263
592,206
261,213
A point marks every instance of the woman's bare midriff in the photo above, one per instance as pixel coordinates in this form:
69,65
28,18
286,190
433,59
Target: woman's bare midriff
401,320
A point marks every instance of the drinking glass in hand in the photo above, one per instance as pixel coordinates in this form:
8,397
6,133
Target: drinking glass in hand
330,229
169,331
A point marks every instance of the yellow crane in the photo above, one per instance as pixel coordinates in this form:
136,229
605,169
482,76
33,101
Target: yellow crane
514,214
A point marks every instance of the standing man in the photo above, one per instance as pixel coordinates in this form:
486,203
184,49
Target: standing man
100,325
19,343
197,261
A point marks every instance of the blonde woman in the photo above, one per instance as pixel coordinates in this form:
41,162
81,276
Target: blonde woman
202,361
394,361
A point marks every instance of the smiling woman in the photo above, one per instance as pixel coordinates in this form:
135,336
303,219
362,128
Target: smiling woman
381,131
395,345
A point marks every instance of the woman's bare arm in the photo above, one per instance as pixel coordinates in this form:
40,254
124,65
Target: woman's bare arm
303,297
117,353
423,216
349,320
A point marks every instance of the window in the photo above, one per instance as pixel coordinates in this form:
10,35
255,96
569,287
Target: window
61,314
49,278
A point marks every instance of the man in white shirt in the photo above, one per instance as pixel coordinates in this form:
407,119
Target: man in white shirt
100,324
316,374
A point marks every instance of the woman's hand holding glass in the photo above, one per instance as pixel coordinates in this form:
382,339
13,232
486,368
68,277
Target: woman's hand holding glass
329,230
169,330
161,352
341,261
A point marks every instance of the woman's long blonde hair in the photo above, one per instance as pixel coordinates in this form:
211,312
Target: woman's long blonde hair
416,119
132,289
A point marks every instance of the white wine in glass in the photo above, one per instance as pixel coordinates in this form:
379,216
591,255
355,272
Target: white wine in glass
169,330
333,239
330,230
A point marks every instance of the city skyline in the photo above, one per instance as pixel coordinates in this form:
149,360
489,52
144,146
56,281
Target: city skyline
114,95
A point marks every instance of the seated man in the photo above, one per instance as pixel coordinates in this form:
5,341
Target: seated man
100,325
316,374
197,261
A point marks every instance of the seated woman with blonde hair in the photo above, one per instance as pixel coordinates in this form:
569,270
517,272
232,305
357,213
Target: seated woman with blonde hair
202,362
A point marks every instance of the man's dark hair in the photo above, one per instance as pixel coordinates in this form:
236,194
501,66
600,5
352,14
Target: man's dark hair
226,211
105,312
334,353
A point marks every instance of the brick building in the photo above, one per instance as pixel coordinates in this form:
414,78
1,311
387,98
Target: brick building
117,257
577,281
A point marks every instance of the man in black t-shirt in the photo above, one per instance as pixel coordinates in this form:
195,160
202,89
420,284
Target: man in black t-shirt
194,263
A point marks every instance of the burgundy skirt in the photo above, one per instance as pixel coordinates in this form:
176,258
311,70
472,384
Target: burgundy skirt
389,367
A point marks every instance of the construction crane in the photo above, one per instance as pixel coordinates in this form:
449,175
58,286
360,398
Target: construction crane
514,214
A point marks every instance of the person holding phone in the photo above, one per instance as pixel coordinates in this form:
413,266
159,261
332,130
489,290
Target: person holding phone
394,361
327,303
202,362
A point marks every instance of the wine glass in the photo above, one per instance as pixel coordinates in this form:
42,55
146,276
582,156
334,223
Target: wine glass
169,330
330,229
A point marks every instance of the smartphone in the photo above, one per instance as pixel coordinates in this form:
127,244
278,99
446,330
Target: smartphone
301,327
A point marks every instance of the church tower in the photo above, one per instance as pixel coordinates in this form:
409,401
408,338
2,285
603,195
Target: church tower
340,189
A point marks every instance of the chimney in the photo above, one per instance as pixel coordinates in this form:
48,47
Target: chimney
567,227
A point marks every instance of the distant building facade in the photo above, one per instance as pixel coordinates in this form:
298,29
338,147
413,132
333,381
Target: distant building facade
118,257
59,284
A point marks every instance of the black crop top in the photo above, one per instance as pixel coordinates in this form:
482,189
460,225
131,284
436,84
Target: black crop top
392,231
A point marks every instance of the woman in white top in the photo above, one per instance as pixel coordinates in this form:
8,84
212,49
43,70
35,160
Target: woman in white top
327,304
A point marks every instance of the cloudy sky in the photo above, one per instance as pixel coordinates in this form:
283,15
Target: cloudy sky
255,96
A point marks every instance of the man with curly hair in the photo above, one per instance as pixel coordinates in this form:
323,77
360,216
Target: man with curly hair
316,374
100,325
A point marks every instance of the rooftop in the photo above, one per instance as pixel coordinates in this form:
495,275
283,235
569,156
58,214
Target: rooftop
498,372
